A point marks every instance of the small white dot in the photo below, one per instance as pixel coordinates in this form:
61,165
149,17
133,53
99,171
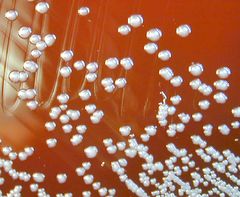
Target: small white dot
204,104
67,55
11,15
50,39
24,32
38,177
126,63
61,178
151,48
79,65
42,7
41,45
14,76
32,105
166,73
51,142
65,71
224,129
91,151
112,62
164,55
135,20
196,69
91,77
222,85
63,98
35,53
34,38
106,81
236,112
124,30
223,72
220,98
85,94
120,82
76,139
176,81
154,34
83,11
30,66
90,108
183,30
92,67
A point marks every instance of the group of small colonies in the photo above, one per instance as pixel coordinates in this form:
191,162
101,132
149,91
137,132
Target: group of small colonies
224,163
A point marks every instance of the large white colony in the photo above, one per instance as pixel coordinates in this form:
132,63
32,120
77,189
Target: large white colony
69,121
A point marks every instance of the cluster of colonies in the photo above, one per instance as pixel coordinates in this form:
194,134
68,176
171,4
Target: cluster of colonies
196,84
225,162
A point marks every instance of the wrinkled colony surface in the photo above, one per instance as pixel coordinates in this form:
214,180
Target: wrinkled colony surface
119,98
